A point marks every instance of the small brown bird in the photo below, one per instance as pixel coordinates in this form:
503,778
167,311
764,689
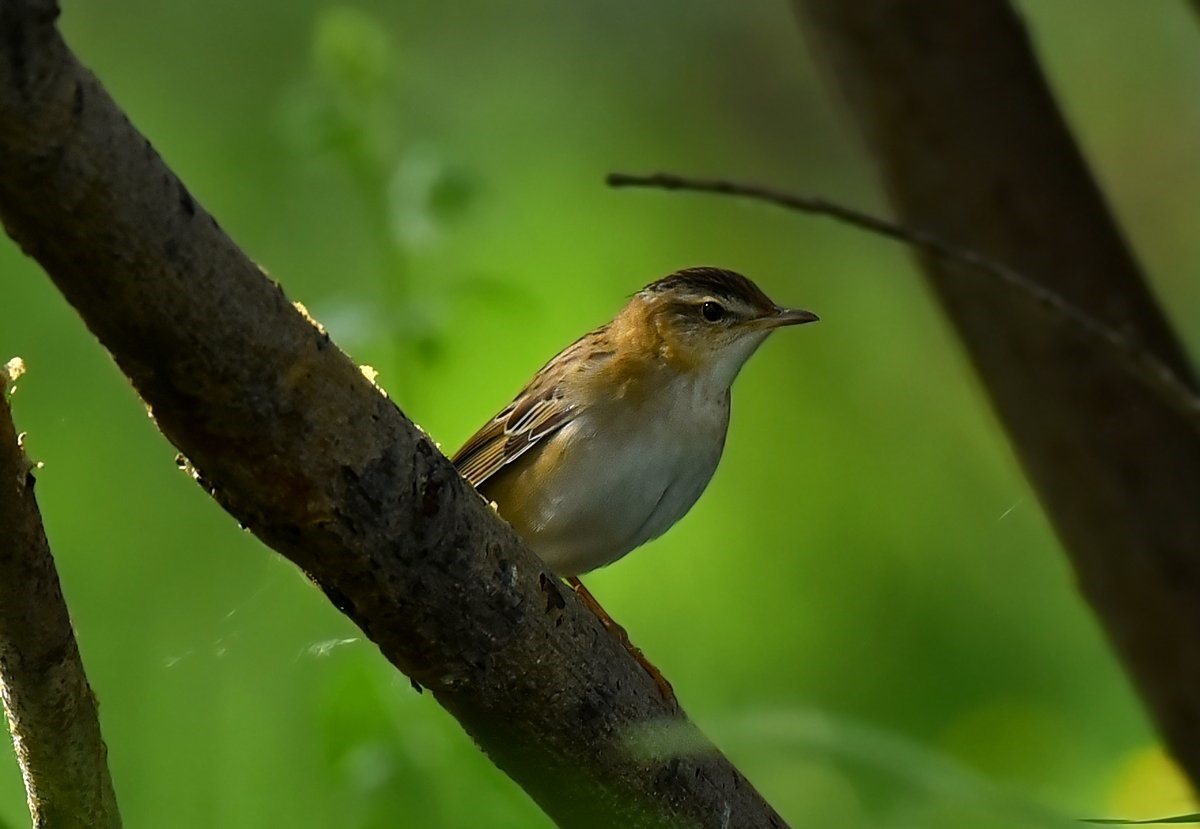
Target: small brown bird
615,439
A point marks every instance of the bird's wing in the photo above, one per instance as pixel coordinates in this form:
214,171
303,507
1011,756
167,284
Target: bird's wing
540,410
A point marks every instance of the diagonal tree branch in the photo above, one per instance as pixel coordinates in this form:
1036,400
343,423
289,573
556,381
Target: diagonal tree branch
50,707
284,431
971,146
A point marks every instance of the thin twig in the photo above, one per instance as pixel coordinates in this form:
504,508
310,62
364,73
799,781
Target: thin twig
50,707
1139,361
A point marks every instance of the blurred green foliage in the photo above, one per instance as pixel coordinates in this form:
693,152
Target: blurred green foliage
866,610
346,111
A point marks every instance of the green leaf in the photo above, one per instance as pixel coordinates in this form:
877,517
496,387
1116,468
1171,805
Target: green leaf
452,193
352,52
823,733
425,194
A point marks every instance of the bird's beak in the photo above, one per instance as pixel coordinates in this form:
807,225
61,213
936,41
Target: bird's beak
787,316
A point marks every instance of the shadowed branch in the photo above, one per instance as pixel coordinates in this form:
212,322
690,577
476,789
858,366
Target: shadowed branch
289,437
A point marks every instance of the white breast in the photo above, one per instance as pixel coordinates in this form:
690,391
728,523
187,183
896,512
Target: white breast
630,476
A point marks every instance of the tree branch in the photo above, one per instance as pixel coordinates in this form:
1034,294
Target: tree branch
293,441
1145,367
50,706
970,146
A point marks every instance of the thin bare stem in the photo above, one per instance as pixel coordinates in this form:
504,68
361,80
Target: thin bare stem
1138,360
50,707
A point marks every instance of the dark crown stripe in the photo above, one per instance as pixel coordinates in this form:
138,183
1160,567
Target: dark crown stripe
717,282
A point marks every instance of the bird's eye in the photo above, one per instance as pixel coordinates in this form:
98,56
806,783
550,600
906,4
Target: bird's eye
712,311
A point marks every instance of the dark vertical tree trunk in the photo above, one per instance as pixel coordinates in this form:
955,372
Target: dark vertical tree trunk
969,144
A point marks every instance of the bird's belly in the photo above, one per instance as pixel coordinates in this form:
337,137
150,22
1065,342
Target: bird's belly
589,499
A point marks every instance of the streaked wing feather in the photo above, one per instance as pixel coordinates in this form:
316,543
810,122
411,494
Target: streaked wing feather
480,459
538,411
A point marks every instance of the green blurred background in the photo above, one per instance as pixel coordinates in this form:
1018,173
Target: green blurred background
866,610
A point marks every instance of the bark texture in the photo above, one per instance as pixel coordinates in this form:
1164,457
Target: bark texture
970,145
50,707
284,431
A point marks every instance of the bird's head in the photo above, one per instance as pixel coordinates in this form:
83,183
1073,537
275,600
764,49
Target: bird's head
706,319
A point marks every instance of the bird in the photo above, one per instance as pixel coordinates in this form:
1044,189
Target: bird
616,437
